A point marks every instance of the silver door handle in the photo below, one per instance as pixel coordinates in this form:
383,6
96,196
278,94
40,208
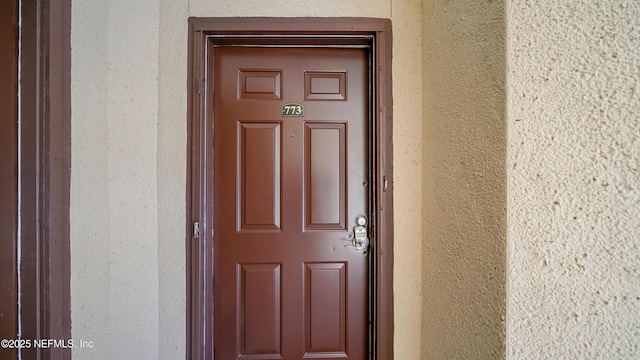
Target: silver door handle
359,244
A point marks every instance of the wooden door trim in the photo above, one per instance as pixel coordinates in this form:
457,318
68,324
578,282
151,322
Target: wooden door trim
9,15
282,31
46,169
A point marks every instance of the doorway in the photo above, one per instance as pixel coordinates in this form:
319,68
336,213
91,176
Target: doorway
291,250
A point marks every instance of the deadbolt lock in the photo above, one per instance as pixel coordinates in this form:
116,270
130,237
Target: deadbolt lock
359,237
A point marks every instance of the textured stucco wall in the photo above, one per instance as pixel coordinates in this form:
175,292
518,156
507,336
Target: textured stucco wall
407,182
129,71
324,8
574,179
464,186
171,177
114,224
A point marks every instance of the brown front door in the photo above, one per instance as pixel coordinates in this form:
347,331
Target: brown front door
291,175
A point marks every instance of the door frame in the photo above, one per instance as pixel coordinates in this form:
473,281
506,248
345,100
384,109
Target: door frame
204,34
9,45
45,125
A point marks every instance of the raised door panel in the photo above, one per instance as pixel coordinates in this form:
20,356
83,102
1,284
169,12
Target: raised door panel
325,185
325,85
259,174
260,84
259,311
325,310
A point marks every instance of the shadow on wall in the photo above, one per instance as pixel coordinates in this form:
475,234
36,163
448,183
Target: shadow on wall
464,188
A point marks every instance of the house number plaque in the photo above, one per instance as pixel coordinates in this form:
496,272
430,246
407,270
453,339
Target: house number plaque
292,110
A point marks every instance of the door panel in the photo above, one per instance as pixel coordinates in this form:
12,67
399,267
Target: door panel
259,313
259,175
325,308
287,190
325,188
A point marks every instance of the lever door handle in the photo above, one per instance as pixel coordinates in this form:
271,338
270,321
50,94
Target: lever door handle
363,245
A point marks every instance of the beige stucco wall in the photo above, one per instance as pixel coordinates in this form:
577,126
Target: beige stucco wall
464,200
114,191
129,167
574,179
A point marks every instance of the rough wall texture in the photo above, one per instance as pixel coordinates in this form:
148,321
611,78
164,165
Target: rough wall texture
89,214
574,179
218,8
464,201
172,178
407,182
114,230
